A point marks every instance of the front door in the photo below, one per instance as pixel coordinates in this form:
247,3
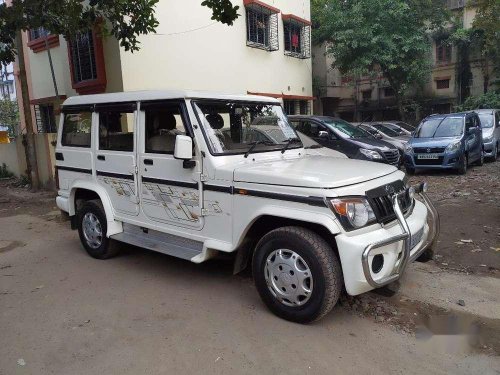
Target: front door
473,137
170,189
115,159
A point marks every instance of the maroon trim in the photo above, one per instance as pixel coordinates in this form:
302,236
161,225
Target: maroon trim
94,86
38,45
262,4
291,17
48,99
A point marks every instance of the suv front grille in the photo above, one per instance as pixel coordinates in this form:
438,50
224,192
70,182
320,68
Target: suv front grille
428,150
392,156
380,200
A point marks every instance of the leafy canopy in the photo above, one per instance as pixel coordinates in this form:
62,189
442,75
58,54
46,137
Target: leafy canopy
124,19
388,37
487,24
9,115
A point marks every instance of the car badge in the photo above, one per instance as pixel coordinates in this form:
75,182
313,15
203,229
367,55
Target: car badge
428,150
389,189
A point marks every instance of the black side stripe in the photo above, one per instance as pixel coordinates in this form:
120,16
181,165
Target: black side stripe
73,169
115,175
220,189
192,185
312,201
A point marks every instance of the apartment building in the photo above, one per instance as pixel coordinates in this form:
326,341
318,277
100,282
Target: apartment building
371,98
266,52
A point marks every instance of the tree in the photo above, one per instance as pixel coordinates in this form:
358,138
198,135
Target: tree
123,19
390,38
9,115
489,100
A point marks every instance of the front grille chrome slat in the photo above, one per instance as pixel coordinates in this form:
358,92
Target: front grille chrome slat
380,199
392,156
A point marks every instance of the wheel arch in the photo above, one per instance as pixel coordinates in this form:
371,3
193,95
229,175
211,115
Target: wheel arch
87,190
265,222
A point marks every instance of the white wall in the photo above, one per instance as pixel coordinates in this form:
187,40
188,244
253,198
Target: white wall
190,51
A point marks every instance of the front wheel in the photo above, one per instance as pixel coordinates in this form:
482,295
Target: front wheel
462,169
480,162
297,274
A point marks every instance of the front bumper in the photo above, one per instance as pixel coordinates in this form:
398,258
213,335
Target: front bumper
392,242
445,161
488,148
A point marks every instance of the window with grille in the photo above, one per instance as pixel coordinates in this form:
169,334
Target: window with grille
289,106
443,52
297,37
38,33
294,107
442,84
83,57
262,28
45,118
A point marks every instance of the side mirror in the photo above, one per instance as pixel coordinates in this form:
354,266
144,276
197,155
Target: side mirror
323,134
183,147
378,136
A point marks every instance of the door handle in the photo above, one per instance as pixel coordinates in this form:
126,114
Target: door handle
101,157
148,161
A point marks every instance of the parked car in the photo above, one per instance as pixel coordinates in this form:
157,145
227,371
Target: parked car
399,125
490,122
314,148
387,134
172,171
344,137
451,141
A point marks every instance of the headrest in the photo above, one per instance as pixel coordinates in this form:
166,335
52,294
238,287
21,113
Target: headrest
215,120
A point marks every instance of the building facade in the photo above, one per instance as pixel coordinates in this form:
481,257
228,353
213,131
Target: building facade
372,99
266,51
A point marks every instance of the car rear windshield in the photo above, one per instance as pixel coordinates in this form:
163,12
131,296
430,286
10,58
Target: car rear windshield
441,127
387,130
345,129
486,120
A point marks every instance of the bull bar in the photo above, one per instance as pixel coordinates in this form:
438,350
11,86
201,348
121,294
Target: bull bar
405,236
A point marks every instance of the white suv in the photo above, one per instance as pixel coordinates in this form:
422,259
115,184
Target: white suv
192,174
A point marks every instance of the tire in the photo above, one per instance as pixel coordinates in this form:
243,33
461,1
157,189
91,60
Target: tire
295,253
495,153
480,162
463,165
410,171
426,256
92,227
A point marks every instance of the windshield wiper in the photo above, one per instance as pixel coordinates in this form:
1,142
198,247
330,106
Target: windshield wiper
255,144
313,147
288,143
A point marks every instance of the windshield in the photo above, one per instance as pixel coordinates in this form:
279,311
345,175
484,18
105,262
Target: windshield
369,130
233,127
441,127
345,129
387,130
486,120
406,126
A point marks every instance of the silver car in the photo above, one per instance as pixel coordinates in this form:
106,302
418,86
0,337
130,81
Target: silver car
490,122
382,132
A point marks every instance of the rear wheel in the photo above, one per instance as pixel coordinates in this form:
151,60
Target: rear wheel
462,169
297,274
494,156
92,229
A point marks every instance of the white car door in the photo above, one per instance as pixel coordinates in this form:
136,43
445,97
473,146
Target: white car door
115,159
170,189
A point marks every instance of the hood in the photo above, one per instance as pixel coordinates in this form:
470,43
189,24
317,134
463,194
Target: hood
433,142
488,131
312,172
372,143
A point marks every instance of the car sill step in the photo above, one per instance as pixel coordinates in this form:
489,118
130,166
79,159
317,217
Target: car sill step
164,243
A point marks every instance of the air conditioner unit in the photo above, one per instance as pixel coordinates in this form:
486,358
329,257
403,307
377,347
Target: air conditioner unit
456,4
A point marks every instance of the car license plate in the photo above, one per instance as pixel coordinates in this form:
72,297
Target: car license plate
415,238
428,156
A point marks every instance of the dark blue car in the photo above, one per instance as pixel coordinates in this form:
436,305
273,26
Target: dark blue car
452,141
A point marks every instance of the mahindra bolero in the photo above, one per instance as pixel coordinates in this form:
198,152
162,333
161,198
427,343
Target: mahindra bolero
192,175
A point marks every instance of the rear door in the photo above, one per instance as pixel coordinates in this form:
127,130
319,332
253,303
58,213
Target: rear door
115,159
171,190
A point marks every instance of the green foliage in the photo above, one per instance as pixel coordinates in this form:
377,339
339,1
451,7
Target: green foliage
9,115
489,100
4,172
487,26
124,19
380,37
222,10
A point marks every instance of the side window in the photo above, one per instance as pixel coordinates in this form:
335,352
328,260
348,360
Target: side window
76,129
116,130
497,120
163,124
469,123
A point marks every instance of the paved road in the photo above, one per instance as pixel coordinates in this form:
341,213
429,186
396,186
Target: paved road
62,312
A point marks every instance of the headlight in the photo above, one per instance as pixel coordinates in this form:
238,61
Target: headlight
453,146
488,138
353,213
370,154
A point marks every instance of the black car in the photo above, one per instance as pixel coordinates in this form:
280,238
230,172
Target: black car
344,137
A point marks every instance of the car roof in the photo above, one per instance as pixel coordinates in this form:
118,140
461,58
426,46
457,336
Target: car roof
486,110
444,115
314,117
132,96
